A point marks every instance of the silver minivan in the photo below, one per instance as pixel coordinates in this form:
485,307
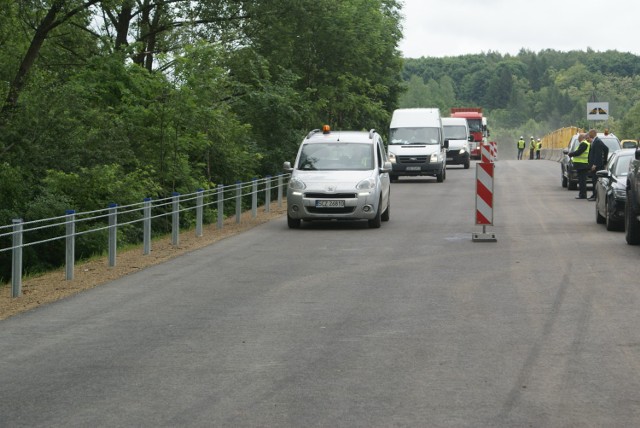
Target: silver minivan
339,175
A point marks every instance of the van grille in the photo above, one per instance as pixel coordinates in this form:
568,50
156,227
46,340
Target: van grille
413,159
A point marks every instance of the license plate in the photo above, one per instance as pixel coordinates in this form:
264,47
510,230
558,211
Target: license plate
329,204
413,168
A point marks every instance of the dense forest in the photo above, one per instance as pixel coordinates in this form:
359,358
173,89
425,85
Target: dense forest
531,92
117,100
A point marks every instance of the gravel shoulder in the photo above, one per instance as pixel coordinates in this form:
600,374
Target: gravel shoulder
52,286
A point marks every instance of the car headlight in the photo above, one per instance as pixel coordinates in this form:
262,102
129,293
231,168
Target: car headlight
367,184
620,193
462,151
434,157
392,157
296,184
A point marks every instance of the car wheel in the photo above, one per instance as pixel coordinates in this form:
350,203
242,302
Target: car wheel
631,224
293,223
467,164
564,179
385,214
599,219
376,222
611,225
440,176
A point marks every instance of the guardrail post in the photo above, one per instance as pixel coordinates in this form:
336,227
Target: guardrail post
199,199
220,216
70,252
238,201
146,226
175,219
113,233
254,198
16,267
267,194
280,181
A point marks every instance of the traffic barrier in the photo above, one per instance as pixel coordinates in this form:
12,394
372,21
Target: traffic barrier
484,196
485,154
494,151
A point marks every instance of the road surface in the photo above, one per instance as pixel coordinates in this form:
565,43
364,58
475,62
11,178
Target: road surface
338,325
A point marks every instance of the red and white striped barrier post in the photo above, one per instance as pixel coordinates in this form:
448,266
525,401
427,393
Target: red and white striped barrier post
484,195
494,151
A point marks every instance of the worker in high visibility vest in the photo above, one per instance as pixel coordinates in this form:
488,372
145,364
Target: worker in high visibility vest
532,148
538,148
521,145
580,159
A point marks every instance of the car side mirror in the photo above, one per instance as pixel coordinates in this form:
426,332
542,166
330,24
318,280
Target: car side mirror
386,167
287,167
446,144
470,138
603,173
637,154
565,151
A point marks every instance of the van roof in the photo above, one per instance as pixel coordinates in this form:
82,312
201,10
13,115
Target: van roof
416,117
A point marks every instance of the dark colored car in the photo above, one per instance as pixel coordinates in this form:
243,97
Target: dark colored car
632,205
569,175
611,189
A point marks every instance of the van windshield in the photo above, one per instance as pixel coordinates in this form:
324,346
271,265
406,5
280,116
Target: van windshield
418,135
336,157
455,132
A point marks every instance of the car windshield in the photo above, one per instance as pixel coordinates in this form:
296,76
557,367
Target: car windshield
622,166
612,143
336,156
416,135
475,125
455,132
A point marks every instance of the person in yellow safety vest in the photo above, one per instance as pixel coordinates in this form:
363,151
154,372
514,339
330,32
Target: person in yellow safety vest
580,159
532,148
538,148
521,146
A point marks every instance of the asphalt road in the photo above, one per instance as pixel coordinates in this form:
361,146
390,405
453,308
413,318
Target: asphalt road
338,325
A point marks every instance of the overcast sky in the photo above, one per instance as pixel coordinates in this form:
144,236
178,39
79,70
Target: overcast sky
439,28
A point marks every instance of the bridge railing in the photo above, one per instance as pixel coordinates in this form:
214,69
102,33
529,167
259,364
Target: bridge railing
140,215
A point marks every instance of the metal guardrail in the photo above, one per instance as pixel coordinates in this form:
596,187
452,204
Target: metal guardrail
142,213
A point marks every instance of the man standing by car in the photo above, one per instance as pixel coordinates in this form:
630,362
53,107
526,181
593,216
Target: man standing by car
598,156
580,158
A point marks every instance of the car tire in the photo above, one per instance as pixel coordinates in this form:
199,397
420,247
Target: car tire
467,164
599,219
440,176
293,223
376,222
564,180
386,213
631,224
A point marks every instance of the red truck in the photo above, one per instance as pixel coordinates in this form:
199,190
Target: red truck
477,126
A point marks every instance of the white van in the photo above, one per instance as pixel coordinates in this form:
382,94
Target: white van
416,143
456,132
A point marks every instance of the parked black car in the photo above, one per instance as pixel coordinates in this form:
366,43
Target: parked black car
632,205
611,189
569,175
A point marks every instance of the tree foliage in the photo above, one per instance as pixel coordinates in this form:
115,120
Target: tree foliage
537,92
116,100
